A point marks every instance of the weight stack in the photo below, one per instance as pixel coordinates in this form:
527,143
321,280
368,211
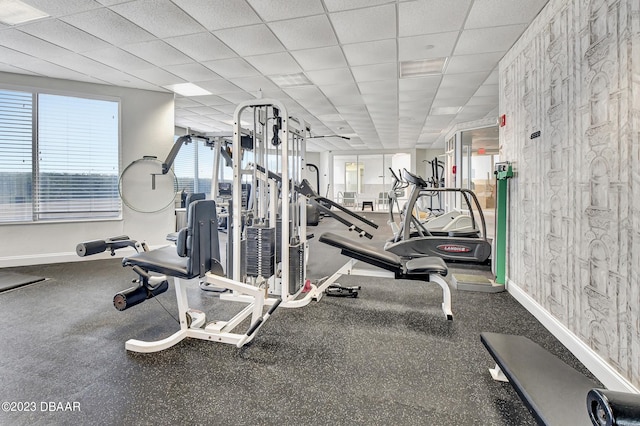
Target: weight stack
296,268
260,251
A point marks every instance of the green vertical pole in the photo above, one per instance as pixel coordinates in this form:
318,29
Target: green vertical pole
503,172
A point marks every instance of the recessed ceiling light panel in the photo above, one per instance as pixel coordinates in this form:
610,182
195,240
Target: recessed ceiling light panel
422,68
291,80
187,89
13,12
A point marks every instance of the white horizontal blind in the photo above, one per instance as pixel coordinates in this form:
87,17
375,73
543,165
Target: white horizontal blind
77,175
16,140
184,167
205,168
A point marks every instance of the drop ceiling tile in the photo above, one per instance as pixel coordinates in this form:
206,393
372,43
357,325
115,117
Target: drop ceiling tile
253,84
493,77
64,35
375,72
30,45
485,40
374,52
109,26
373,87
440,102
431,16
236,98
304,93
51,70
430,83
456,92
192,72
467,63
118,59
416,95
305,33
157,76
15,70
344,100
13,57
337,5
275,63
232,67
487,90
484,12
321,58
184,102
220,86
251,40
466,80
380,98
228,108
368,24
353,111
158,53
161,18
427,46
63,7
210,100
275,10
119,78
330,77
201,46
483,100
80,63
340,90
219,14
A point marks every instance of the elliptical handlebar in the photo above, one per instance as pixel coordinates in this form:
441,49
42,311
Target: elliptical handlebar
414,179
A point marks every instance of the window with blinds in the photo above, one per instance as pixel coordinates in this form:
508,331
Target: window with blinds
70,170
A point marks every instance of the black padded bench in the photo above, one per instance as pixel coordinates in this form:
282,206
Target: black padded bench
554,392
430,269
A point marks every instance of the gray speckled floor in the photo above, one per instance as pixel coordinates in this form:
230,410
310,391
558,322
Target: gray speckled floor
386,358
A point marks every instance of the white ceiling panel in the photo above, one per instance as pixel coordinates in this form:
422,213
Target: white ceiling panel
340,90
484,12
109,26
368,24
375,72
275,63
442,102
10,56
251,40
431,16
158,53
15,70
55,71
220,86
80,63
374,52
157,76
374,100
253,84
457,92
337,5
219,14
118,58
230,68
427,46
482,100
236,98
161,18
211,100
119,78
376,87
184,102
487,90
429,83
485,40
416,95
275,10
63,7
480,62
192,72
321,58
332,76
201,46
64,35
341,100
304,33
467,80
29,44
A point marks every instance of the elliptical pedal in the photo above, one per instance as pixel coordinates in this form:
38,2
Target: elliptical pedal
337,290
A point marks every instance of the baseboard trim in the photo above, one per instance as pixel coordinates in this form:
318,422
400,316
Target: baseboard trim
599,367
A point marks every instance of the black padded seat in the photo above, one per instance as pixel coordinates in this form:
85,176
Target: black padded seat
363,252
164,260
196,251
384,259
427,265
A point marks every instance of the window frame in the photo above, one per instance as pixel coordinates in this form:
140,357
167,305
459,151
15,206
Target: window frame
35,91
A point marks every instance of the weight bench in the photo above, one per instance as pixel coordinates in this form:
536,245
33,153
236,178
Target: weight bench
554,392
196,257
428,269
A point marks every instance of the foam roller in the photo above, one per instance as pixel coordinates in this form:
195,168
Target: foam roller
611,408
136,295
91,247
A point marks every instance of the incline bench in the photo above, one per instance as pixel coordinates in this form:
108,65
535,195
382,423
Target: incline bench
554,392
428,269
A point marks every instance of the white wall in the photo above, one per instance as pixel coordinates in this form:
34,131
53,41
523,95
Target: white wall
146,128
